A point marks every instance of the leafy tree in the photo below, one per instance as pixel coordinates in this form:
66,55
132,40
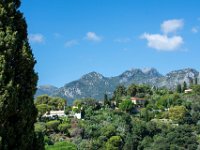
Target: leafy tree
132,90
54,103
53,125
119,92
145,143
180,137
57,103
160,142
114,143
42,109
177,113
144,91
129,144
63,128
146,114
76,110
62,146
17,80
108,130
196,89
40,127
77,102
90,102
85,145
68,109
88,112
40,130
139,90
126,105
139,131
42,99
165,101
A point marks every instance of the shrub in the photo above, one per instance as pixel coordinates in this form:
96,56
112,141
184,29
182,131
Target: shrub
62,146
53,125
63,127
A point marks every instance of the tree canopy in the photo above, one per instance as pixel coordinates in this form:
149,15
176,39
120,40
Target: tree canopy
17,80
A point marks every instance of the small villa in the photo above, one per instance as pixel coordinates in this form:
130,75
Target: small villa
76,112
138,101
188,91
59,113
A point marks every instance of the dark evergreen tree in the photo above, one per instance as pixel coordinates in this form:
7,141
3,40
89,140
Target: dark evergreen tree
106,100
184,86
178,88
17,80
196,81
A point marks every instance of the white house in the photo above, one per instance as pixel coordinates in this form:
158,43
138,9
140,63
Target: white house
77,115
52,113
188,91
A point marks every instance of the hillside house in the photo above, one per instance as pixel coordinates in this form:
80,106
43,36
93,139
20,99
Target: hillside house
138,101
77,112
188,91
53,113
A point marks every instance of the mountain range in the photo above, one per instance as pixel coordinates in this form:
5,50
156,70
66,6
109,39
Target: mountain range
95,85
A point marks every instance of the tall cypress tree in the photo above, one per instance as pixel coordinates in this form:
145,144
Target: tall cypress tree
196,81
179,88
17,80
184,86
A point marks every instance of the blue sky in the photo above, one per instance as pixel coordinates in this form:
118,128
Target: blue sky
70,38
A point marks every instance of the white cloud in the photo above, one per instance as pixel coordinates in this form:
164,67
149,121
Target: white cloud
36,38
195,30
122,40
71,43
92,36
163,42
173,25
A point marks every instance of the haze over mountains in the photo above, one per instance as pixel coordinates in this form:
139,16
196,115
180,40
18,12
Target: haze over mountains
95,85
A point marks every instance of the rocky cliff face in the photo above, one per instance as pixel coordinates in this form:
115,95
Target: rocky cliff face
96,85
177,77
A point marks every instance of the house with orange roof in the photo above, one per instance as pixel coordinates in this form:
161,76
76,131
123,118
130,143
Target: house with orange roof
138,101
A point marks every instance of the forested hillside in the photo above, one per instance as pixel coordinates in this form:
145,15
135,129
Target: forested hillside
166,120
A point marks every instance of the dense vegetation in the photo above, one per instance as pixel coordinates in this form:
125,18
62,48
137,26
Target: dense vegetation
167,120
162,119
17,81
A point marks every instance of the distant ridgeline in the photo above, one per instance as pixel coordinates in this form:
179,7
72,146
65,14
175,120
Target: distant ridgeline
95,85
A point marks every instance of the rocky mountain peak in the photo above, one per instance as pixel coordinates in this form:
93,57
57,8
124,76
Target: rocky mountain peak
95,85
187,72
93,74
130,73
151,72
